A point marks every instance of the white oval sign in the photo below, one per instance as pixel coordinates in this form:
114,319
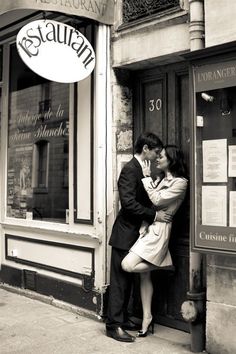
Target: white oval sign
55,51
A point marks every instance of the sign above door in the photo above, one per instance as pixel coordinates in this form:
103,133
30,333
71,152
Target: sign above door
98,10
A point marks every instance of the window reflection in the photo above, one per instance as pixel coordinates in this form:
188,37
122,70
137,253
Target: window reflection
38,131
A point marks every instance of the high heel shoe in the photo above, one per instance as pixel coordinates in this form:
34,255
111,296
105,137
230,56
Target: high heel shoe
150,329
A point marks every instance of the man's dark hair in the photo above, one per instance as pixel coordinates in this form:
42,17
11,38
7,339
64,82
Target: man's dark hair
149,139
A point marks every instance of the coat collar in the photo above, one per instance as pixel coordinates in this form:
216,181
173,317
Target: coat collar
169,178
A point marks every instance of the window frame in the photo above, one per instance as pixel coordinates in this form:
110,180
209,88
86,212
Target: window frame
89,186
72,162
87,215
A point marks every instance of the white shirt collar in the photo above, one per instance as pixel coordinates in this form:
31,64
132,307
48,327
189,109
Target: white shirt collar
139,159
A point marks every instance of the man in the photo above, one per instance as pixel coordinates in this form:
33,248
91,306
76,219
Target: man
135,208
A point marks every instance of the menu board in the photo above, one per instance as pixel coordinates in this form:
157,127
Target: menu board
215,160
214,205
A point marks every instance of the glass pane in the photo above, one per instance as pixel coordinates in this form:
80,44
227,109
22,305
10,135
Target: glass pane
216,111
216,169
38,131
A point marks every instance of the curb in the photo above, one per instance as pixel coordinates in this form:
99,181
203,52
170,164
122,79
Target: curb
50,300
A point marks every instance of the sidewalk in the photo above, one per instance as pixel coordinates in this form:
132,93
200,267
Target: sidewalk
29,326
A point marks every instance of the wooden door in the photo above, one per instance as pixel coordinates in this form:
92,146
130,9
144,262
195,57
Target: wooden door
161,105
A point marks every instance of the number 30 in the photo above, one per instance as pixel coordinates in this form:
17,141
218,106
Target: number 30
155,105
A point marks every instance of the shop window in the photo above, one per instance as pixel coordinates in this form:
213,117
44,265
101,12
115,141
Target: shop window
38,142
38,130
215,152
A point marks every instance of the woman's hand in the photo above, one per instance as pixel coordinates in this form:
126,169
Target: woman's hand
146,167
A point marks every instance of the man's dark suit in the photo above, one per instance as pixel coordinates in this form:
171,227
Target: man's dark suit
135,207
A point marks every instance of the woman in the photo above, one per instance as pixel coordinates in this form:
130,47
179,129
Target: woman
151,249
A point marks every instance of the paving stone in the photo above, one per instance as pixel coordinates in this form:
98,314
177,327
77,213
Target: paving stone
29,326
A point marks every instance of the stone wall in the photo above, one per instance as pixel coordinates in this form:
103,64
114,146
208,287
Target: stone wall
122,125
221,305
221,270
219,21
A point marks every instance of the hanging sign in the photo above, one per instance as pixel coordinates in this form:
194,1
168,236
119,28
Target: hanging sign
215,76
98,10
55,51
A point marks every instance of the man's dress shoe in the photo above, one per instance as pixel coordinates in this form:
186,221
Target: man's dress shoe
131,326
119,334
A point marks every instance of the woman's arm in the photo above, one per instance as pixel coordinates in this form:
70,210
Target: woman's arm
164,197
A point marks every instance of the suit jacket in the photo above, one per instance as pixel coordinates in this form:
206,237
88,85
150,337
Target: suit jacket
135,207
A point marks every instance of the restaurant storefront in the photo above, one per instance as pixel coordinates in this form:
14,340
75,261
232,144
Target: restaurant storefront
55,179
213,232
63,145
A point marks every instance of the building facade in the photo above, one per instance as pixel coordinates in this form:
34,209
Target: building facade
155,88
63,146
56,181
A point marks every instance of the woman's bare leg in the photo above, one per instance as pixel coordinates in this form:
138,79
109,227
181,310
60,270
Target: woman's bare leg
132,263
136,264
146,290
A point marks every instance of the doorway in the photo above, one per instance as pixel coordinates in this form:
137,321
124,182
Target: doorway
161,105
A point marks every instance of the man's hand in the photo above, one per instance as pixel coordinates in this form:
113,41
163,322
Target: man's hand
163,216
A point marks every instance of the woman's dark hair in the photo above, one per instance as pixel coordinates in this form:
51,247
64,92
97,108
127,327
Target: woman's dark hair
177,165
149,139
